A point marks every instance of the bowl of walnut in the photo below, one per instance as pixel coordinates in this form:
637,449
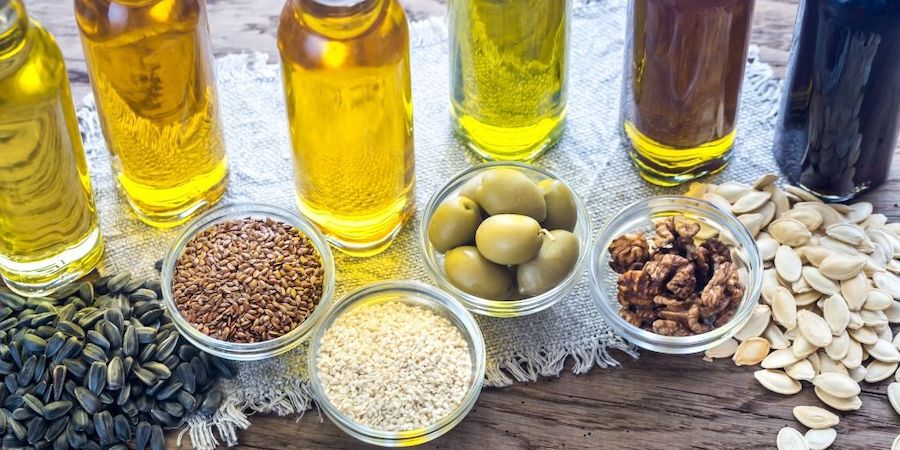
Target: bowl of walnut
675,274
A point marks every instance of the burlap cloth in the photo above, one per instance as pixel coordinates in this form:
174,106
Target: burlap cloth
590,156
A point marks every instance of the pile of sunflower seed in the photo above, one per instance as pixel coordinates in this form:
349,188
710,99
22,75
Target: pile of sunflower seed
97,366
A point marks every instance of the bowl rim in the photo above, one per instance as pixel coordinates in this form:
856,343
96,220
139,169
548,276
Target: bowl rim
422,294
256,350
504,308
677,344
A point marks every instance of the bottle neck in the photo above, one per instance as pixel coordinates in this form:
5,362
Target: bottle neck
13,27
339,19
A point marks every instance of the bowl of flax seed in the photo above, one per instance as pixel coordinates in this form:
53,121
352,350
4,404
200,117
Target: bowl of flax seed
248,282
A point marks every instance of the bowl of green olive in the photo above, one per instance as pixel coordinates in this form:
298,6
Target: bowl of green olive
506,239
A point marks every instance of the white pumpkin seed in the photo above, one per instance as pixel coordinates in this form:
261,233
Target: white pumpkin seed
784,309
854,355
857,374
757,323
800,286
781,202
718,201
724,350
815,417
855,291
848,233
859,211
879,371
767,211
864,335
814,254
732,191
893,394
893,312
889,283
819,282
789,232
839,347
855,321
802,348
884,351
779,359
896,341
777,381
788,264
807,298
751,352
801,194
815,361
767,246
896,444
820,439
828,365
750,201
809,217
836,384
752,222
765,180
837,314
802,370
790,439
814,328
842,267
874,319
829,215
777,339
837,246
839,403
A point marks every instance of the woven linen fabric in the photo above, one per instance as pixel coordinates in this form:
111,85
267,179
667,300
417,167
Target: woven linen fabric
590,156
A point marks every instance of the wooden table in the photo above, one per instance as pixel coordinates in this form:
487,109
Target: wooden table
655,402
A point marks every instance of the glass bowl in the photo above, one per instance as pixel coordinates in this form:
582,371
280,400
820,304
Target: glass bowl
256,350
434,261
638,217
412,293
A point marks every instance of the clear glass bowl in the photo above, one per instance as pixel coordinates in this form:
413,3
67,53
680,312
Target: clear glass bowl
638,217
434,261
256,350
412,293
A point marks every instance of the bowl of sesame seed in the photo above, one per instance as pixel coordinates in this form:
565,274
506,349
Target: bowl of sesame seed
397,363
247,282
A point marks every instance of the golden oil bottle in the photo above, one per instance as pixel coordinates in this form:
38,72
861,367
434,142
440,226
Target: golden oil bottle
508,72
152,73
684,64
49,233
347,88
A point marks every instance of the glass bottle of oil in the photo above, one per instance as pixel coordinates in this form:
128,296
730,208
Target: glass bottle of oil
347,88
152,73
49,232
684,65
508,72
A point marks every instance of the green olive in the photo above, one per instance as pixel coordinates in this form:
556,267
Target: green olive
561,211
508,239
552,264
471,272
470,188
454,223
507,191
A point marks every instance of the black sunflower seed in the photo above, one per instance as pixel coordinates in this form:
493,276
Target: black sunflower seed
70,329
159,369
147,377
143,294
145,404
222,367
17,428
152,316
22,414
45,331
147,353
55,344
92,353
95,380
117,282
59,378
55,410
79,419
184,373
36,429
56,428
171,388
6,367
112,333
142,436
174,408
97,338
115,317
130,409
88,401
211,401
145,335
115,374
42,319
132,286
8,323
75,439
27,370
71,348
124,394
32,403
76,367
103,426
199,369
157,439
88,320
187,400
130,342
33,343
13,301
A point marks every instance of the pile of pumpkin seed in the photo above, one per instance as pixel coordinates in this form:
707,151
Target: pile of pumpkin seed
97,366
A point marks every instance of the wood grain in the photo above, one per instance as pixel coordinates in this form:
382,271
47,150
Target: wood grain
657,401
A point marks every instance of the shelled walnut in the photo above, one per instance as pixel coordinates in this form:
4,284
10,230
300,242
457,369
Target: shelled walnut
677,286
